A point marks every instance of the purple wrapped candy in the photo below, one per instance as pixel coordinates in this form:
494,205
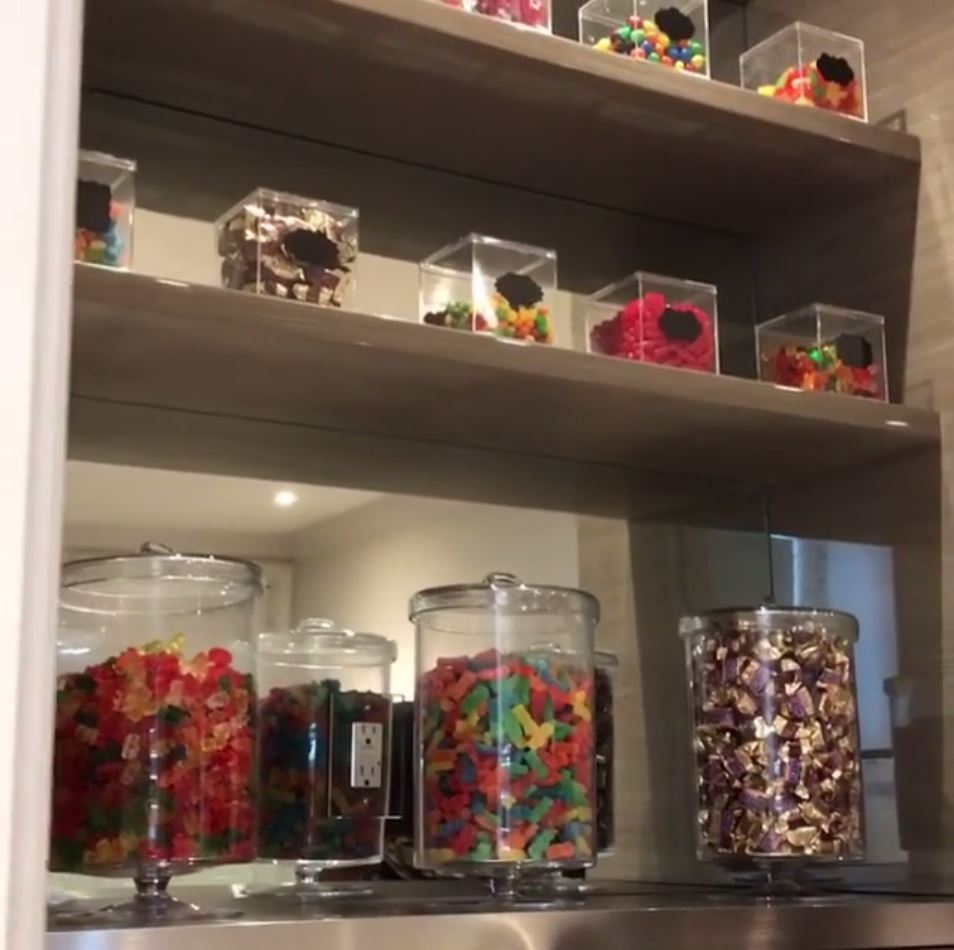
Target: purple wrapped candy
775,734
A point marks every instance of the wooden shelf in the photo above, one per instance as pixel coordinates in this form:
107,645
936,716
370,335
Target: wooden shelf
500,104
251,367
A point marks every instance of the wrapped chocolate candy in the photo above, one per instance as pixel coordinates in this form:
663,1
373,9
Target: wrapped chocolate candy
775,733
286,246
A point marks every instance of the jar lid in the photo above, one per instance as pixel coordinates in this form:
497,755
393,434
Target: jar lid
807,619
505,593
127,582
320,638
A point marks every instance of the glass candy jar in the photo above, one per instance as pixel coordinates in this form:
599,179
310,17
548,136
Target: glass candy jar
775,735
287,246
154,729
105,202
809,66
324,752
653,31
505,704
482,284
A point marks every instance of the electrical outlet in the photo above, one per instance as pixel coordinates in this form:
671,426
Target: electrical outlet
367,754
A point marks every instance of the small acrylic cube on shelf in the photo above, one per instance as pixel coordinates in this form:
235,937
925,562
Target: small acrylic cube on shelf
530,13
650,30
486,285
287,246
105,201
653,319
809,66
825,349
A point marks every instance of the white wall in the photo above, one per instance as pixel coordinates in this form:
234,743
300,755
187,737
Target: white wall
361,568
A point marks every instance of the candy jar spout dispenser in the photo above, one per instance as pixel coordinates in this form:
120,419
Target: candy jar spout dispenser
505,705
154,723
324,752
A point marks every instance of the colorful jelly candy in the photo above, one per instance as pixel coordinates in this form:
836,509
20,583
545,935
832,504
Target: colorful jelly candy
508,760
310,806
668,38
152,761
518,312
456,315
826,83
845,365
651,329
97,238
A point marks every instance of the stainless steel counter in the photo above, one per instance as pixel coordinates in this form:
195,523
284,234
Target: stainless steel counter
411,918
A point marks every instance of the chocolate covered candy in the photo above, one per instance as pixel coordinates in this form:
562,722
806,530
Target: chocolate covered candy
290,247
776,737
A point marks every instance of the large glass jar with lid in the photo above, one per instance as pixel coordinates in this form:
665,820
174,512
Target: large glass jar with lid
154,729
775,735
324,753
505,704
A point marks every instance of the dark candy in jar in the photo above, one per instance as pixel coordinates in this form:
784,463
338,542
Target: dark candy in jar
605,802
776,741
312,805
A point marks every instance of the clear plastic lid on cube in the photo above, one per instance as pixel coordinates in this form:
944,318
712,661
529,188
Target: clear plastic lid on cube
825,349
105,203
486,285
606,665
653,319
776,750
809,66
505,708
324,746
291,247
650,30
530,13
154,735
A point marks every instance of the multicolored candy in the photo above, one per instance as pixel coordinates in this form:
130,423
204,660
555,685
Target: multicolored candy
152,762
508,760
826,83
312,804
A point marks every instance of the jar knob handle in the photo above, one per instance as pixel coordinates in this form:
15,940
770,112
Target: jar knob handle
154,547
502,579
313,624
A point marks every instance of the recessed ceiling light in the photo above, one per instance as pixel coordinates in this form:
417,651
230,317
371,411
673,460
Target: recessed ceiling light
285,498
